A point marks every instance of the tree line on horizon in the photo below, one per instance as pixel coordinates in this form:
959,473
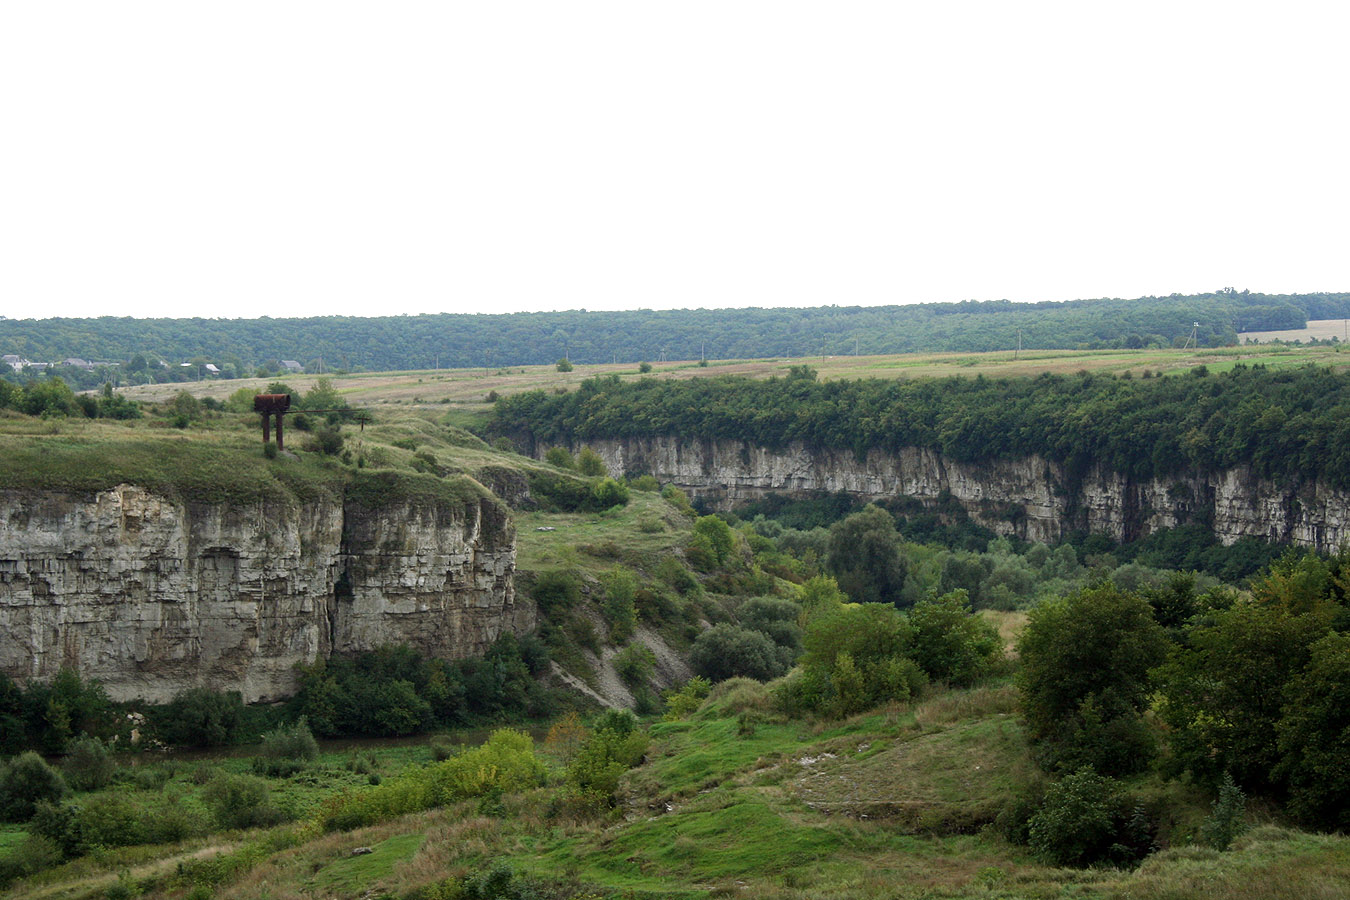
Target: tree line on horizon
390,343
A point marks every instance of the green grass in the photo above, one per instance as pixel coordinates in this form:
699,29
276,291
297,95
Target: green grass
353,875
11,836
595,541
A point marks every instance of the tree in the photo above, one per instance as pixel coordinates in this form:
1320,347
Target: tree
560,457
721,540
199,717
564,365
1222,694
1313,735
24,782
728,651
950,642
1085,678
864,555
589,463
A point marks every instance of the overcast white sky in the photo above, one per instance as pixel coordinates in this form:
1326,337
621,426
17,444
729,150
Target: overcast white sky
307,158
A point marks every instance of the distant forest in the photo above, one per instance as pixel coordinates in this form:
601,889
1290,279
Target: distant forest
384,343
1290,425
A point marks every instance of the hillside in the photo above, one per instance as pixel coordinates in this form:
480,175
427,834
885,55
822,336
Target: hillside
929,745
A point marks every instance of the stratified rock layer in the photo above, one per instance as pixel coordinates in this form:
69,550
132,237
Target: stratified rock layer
151,595
1030,497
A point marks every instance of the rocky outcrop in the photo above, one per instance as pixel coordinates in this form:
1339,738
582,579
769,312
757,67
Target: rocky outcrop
1030,497
152,595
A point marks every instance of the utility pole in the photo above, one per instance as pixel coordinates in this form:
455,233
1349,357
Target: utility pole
1019,344
855,345
701,357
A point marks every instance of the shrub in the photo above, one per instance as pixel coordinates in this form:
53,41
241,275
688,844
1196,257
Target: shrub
26,780
714,536
952,644
1080,821
88,765
557,592
685,700
590,463
644,483
1225,821
199,717
856,657
635,665
563,365
240,801
618,609
615,746
505,762
36,853
775,617
286,750
737,696
644,367
673,573
726,651
608,493
560,457
117,819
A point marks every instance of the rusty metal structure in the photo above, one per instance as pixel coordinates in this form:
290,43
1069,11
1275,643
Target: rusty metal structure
268,405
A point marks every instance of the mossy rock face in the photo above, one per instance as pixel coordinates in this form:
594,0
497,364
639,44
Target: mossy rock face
511,485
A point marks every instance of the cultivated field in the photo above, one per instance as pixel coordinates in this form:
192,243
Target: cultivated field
1318,329
467,390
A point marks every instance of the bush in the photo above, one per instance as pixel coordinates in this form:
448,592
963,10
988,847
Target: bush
240,801
24,782
327,439
644,367
608,493
856,657
286,750
200,718
727,651
952,644
560,457
635,665
36,853
775,617
118,819
590,463
1085,819
618,608
557,592
613,748
506,762
713,537
563,365
88,765
1225,821
685,700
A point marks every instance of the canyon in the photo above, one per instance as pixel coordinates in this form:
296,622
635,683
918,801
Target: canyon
1032,498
